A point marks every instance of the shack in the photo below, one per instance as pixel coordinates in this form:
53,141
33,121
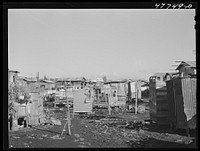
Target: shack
181,94
118,92
186,68
76,83
46,84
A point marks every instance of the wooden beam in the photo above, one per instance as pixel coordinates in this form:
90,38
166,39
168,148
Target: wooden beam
68,122
136,96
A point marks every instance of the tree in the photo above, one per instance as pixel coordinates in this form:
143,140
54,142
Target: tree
104,78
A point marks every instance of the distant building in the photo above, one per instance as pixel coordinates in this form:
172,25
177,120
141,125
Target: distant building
46,84
171,75
160,77
76,83
187,68
12,76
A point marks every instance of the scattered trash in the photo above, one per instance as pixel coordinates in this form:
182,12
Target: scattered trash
188,142
82,139
179,140
15,137
56,137
56,121
76,135
45,135
76,140
82,143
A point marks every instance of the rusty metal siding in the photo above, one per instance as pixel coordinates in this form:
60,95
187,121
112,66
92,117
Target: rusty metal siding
182,101
189,97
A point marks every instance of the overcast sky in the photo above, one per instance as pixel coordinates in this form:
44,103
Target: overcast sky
87,42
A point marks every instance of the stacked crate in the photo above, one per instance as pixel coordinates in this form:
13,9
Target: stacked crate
158,103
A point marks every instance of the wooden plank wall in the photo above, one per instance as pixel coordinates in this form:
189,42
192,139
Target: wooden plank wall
158,103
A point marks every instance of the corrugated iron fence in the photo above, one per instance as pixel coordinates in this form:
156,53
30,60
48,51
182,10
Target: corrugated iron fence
181,94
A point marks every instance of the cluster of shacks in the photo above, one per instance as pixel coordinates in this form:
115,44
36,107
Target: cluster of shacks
173,97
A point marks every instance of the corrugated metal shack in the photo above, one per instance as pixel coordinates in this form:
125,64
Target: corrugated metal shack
181,93
158,103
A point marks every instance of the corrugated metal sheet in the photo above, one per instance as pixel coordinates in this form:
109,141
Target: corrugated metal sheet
158,103
182,98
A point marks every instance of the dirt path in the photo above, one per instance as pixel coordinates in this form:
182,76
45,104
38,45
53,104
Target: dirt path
121,130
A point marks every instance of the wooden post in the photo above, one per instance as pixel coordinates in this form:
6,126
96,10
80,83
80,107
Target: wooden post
109,99
136,97
68,122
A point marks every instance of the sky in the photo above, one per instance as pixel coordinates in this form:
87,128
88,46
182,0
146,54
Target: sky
125,43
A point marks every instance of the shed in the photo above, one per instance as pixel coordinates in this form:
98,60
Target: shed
118,92
181,94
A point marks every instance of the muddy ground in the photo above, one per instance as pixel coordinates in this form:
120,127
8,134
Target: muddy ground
120,130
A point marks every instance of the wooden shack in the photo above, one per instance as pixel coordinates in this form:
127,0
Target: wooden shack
158,103
181,94
117,92
83,100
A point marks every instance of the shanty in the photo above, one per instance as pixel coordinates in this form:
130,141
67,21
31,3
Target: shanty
101,78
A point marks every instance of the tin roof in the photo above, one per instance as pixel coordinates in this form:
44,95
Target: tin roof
30,79
187,63
72,79
47,81
13,71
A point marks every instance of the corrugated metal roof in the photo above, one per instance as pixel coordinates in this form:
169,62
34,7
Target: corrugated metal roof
13,71
189,63
159,74
47,81
30,79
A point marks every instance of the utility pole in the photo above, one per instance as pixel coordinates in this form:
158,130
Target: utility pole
68,122
136,96
109,101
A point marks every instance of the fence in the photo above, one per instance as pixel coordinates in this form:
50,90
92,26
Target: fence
181,94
